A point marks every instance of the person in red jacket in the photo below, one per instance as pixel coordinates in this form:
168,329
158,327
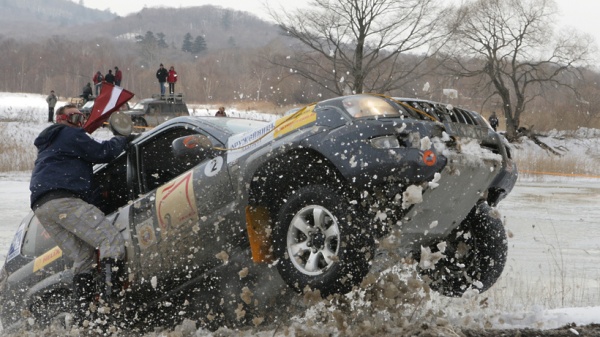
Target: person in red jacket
118,76
172,78
98,78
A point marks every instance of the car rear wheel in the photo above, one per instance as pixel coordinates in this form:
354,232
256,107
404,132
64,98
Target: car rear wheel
319,242
475,255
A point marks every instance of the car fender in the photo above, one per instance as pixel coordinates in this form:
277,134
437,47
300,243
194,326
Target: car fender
61,280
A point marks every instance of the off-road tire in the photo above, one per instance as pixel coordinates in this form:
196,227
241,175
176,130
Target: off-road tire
320,243
475,255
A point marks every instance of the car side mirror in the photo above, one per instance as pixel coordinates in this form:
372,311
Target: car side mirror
193,147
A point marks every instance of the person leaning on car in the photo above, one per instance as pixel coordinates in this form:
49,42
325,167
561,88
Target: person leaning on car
61,199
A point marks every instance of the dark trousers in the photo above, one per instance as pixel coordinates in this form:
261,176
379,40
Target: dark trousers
50,114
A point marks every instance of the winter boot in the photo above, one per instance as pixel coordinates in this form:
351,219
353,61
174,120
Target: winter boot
82,296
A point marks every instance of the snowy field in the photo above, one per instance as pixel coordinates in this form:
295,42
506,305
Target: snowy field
551,277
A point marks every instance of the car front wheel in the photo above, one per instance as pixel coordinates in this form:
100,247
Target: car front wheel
319,242
474,255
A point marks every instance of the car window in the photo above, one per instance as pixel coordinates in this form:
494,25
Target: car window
236,125
158,163
153,109
37,240
110,186
139,106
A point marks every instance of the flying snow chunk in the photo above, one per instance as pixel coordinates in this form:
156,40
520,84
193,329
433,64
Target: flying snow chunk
426,86
429,259
435,182
412,195
425,143
450,93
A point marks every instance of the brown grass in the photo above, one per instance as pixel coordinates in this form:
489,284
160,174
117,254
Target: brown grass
539,162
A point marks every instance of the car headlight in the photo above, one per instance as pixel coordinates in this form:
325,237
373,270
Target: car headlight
385,142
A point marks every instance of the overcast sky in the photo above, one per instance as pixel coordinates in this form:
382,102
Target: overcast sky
580,14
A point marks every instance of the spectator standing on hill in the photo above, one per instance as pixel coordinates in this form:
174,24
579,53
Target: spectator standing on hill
110,78
161,75
97,79
118,76
51,100
493,120
221,112
172,78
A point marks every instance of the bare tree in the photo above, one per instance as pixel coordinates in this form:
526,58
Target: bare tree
355,45
517,54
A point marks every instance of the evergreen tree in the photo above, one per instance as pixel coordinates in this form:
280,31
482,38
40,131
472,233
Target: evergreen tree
161,41
199,45
150,39
187,43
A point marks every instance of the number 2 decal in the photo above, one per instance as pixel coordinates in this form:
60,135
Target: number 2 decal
213,167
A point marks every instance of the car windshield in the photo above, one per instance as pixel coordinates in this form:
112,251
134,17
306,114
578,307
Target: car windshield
369,106
236,125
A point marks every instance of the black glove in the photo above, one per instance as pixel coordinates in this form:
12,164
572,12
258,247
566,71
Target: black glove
131,137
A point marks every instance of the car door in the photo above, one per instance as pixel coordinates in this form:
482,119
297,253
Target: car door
179,198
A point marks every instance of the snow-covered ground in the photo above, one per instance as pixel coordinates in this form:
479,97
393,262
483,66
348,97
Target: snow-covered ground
551,277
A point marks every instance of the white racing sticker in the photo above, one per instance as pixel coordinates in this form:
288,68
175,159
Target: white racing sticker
213,167
242,143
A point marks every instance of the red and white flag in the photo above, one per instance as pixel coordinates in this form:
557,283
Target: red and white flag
111,98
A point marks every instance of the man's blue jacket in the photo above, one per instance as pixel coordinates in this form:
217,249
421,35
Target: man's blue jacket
66,158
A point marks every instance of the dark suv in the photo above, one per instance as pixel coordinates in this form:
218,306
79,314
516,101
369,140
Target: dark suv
223,217
150,112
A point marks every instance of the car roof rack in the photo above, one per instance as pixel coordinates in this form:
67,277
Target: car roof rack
171,98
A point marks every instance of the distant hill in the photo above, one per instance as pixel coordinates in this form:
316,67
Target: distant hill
38,18
220,27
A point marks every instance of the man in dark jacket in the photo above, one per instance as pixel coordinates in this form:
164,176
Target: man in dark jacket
87,92
51,99
161,75
110,78
494,121
60,198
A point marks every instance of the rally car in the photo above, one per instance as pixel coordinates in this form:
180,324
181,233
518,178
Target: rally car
217,212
